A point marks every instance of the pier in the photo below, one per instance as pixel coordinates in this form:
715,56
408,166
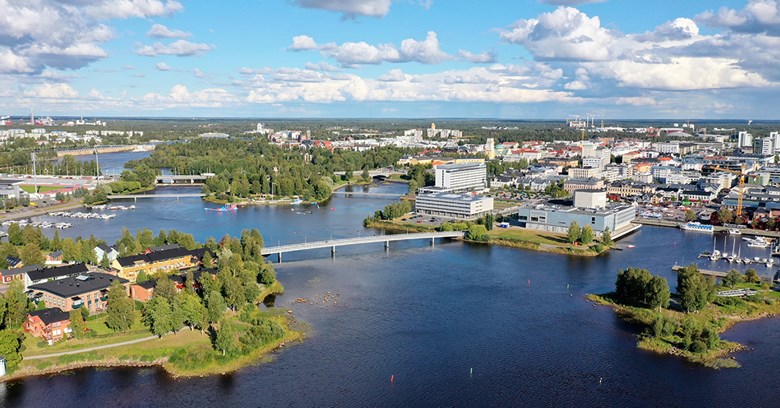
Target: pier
335,243
717,274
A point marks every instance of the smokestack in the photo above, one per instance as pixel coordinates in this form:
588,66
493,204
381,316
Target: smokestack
32,117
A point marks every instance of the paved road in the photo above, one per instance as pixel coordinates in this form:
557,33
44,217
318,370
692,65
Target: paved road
105,346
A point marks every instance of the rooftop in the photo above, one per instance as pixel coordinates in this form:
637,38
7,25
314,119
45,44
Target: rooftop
50,315
81,284
53,273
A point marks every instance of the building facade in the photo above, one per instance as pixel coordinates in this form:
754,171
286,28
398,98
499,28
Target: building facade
89,290
453,205
51,324
461,177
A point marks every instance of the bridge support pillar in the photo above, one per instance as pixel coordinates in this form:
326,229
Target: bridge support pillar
333,251
280,257
433,241
135,199
387,245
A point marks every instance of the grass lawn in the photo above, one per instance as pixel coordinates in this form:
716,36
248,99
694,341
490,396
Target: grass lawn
41,189
501,205
34,346
522,234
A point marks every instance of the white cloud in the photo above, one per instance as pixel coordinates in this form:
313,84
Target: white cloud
161,31
481,58
756,17
570,2
180,48
303,43
198,73
351,54
180,95
161,66
107,9
52,91
350,8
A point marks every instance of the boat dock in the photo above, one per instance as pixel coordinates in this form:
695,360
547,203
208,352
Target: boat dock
717,274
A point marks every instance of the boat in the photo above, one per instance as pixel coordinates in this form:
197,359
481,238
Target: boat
734,231
758,242
297,201
225,208
697,226
630,246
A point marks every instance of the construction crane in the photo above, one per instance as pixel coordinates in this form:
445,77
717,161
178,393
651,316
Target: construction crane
741,175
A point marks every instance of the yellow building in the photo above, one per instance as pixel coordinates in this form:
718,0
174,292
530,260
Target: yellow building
164,260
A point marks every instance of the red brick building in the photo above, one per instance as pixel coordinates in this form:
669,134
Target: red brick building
50,324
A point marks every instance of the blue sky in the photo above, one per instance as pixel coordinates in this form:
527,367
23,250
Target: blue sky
524,59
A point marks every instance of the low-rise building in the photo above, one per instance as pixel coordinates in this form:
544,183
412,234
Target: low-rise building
40,274
556,218
89,290
128,267
572,185
104,250
50,324
453,205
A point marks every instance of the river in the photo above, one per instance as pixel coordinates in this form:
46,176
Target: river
455,325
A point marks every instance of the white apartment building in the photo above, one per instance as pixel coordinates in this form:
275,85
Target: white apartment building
584,172
453,205
461,177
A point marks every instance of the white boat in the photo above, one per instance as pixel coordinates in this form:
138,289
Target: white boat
758,242
734,231
697,226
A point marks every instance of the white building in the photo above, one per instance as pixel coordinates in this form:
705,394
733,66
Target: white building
744,139
461,177
453,205
764,146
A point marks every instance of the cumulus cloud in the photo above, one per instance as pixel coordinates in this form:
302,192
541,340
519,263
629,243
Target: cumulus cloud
481,58
570,2
52,91
179,48
161,66
758,16
350,8
180,95
36,34
351,54
161,31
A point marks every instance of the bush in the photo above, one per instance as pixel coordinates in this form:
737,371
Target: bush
698,346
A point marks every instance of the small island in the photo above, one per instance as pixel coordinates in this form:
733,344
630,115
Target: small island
166,300
689,323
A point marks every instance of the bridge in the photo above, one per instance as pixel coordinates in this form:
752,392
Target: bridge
86,151
366,194
334,243
386,172
137,196
182,179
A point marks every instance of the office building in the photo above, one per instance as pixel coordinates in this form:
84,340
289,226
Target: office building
453,205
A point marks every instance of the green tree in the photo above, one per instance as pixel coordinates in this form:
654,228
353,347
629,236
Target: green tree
574,232
216,306
31,254
121,310
365,175
10,344
732,278
17,305
267,275
695,290
690,215
725,215
195,314
56,242
477,232
77,325
606,238
658,293
15,234
226,339
158,314
165,288
751,275
586,236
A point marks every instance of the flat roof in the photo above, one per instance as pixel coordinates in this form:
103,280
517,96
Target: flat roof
453,196
70,287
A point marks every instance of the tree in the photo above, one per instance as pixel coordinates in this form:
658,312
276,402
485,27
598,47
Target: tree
31,254
658,293
165,288
586,236
725,215
77,325
10,343
574,232
17,305
477,232
690,215
695,290
193,311
216,306
15,234
158,314
227,336
733,277
751,276
142,277
365,175
121,310
606,238
267,274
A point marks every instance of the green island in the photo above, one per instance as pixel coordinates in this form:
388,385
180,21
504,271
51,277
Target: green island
202,320
689,323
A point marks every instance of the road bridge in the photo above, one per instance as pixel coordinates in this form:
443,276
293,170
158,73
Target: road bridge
137,196
182,179
334,243
366,194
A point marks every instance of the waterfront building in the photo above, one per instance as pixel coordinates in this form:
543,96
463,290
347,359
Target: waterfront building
163,260
461,177
557,218
463,206
104,250
50,324
89,290
39,274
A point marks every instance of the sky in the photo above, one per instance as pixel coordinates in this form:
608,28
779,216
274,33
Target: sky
508,59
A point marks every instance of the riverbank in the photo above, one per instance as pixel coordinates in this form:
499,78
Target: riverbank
28,212
676,224
723,314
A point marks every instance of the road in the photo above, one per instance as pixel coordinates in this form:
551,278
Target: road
88,349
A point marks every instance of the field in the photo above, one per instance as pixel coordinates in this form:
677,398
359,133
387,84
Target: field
41,189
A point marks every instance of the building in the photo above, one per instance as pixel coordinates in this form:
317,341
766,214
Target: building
89,290
37,275
104,250
50,324
557,219
764,146
164,260
573,184
453,205
584,172
142,291
10,189
590,199
461,177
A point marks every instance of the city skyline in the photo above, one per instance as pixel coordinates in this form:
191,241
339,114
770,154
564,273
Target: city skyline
383,58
